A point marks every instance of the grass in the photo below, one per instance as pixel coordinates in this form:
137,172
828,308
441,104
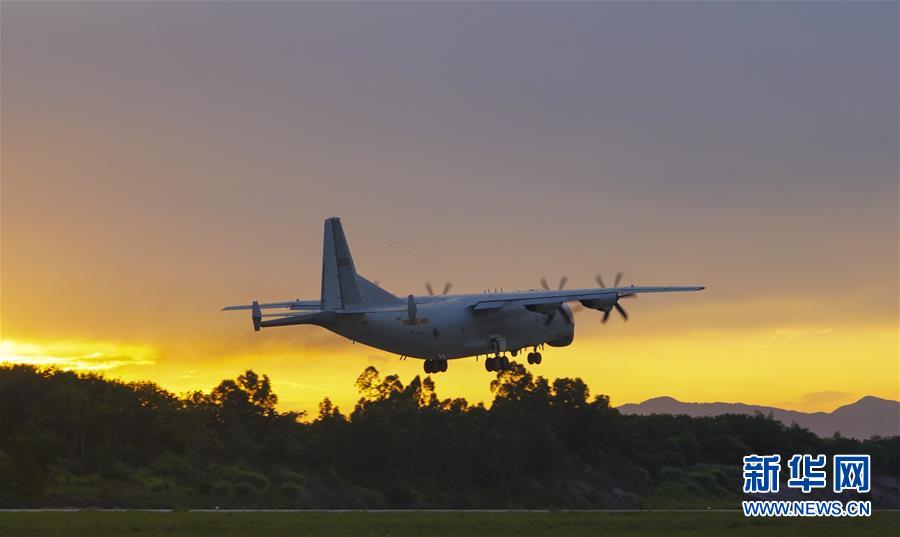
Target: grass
422,524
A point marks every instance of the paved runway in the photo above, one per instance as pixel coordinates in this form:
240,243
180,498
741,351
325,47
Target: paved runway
375,511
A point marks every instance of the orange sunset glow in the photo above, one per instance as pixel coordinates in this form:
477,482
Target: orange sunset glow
160,163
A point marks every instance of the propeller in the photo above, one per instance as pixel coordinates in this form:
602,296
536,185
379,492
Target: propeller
621,311
562,283
566,314
561,310
619,308
446,289
411,309
616,281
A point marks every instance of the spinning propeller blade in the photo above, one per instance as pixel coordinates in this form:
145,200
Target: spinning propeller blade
616,281
562,283
430,289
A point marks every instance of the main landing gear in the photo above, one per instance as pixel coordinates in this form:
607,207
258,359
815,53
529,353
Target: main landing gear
435,366
500,362
496,363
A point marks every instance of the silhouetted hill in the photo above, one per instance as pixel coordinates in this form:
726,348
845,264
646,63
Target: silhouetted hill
870,416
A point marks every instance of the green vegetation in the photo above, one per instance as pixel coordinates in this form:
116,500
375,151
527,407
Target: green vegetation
70,439
424,524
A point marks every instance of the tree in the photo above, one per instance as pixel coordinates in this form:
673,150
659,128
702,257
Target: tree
569,393
248,393
81,439
328,411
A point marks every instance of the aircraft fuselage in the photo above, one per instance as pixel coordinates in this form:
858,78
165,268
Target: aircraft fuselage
442,331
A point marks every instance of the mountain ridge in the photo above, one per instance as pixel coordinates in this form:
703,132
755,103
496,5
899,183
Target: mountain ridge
869,416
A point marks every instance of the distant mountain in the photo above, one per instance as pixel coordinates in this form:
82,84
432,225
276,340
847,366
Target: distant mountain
867,417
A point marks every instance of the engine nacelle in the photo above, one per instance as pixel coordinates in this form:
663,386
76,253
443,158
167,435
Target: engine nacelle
604,303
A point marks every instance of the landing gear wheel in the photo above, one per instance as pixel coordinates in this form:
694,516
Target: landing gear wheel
537,357
435,366
489,364
504,363
530,357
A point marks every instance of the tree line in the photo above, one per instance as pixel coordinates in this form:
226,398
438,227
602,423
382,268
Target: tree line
80,439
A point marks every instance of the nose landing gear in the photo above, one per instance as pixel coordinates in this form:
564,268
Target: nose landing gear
534,358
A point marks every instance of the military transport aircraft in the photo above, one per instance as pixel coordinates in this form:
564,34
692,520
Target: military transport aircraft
438,328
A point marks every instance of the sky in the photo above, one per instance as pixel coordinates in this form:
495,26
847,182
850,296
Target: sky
162,160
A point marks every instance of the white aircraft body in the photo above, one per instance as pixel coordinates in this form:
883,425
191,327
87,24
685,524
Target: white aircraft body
438,328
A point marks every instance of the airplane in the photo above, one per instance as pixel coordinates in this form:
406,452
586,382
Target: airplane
438,328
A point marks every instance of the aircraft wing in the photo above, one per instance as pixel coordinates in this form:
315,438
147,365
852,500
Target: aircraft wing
307,305
599,296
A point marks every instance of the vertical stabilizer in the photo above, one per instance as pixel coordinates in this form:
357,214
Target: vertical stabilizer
339,286
342,287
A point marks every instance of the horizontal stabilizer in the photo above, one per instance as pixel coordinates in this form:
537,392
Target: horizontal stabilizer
320,318
287,304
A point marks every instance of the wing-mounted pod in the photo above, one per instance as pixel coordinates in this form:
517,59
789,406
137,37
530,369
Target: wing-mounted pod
256,316
604,303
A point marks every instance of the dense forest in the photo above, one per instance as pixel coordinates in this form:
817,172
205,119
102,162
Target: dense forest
69,439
